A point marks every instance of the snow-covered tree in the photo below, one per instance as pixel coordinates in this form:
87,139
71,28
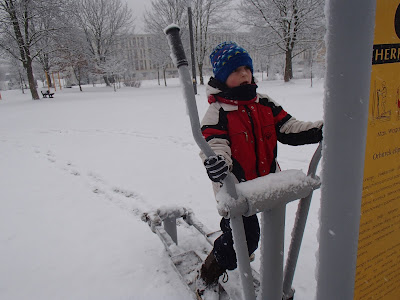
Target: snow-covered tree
161,14
208,16
16,74
74,59
287,25
52,25
103,22
114,68
18,36
160,55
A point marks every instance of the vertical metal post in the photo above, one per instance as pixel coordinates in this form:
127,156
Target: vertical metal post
272,243
170,228
242,255
347,85
192,50
298,229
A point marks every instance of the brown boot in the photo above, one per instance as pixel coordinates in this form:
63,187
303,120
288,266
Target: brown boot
208,278
210,270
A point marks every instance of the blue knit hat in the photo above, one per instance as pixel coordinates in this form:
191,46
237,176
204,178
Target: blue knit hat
226,58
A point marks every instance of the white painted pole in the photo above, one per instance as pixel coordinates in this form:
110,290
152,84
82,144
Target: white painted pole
272,244
298,229
350,30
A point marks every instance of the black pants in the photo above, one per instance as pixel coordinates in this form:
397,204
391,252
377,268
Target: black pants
223,245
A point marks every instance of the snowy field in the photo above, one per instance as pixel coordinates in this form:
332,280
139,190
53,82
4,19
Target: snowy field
77,172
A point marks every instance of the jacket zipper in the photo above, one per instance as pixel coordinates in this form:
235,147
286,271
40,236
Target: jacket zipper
254,138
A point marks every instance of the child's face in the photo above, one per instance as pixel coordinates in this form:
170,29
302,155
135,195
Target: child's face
240,76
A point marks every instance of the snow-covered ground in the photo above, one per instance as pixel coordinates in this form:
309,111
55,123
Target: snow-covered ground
77,172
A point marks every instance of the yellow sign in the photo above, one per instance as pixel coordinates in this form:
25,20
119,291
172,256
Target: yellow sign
378,257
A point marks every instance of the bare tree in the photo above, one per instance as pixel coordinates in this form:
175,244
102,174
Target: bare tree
72,56
52,23
66,52
164,12
160,55
103,22
16,74
17,35
285,24
208,15
161,14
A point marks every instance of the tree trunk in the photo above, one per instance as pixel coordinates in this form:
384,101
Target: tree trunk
106,80
24,50
288,66
79,81
21,82
78,75
201,74
165,79
31,79
48,78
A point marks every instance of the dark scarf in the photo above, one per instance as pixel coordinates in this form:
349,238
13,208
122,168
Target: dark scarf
240,95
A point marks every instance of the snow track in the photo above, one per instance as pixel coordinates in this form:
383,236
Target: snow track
123,198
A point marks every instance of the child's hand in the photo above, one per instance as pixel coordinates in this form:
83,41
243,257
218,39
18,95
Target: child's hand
217,168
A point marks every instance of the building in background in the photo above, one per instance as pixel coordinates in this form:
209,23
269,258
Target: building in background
134,56
136,50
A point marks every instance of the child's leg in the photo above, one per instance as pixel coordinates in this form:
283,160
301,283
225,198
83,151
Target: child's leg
223,245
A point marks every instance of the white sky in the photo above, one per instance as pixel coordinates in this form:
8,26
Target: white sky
138,7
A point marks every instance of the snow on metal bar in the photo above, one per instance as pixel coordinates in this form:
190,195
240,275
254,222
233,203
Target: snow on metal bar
172,212
264,193
156,217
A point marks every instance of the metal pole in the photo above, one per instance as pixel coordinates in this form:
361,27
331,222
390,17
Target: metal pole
192,50
347,85
170,228
272,243
239,238
298,229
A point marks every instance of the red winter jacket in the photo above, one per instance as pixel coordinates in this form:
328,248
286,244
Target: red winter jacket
247,134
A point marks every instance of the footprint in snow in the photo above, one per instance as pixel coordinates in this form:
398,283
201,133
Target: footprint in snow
51,157
126,193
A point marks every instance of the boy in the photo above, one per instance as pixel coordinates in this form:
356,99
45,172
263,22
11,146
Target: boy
242,127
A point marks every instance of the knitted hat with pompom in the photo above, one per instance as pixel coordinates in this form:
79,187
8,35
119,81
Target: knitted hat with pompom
226,58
